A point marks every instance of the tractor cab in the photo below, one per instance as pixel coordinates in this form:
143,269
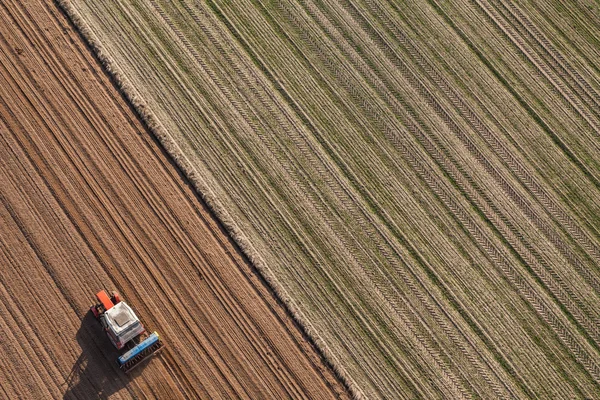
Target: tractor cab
121,324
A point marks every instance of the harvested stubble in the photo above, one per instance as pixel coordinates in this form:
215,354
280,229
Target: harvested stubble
419,182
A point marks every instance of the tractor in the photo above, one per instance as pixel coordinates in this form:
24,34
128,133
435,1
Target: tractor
125,331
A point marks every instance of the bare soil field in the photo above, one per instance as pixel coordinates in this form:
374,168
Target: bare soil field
420,181
89,200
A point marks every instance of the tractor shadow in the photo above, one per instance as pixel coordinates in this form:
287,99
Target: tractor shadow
95,374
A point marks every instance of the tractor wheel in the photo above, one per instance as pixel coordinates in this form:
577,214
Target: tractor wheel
116,298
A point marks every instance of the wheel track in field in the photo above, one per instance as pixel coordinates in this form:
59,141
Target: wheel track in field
535,59
562,67
566,338
549,131
507,153
582,46
326,176
471,146
518,200
495,143
457,342
349,205
526,180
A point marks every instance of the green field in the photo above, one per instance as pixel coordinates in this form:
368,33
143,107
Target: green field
419,181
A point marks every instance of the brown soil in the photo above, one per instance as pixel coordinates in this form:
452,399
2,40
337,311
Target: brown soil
90,201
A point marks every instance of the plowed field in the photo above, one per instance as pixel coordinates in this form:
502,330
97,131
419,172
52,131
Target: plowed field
90,201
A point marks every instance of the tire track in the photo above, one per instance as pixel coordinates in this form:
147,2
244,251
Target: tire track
557,61
574,103
574,30
299,24
496,144
532,110
521,203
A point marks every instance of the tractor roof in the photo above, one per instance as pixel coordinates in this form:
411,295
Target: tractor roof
121,318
